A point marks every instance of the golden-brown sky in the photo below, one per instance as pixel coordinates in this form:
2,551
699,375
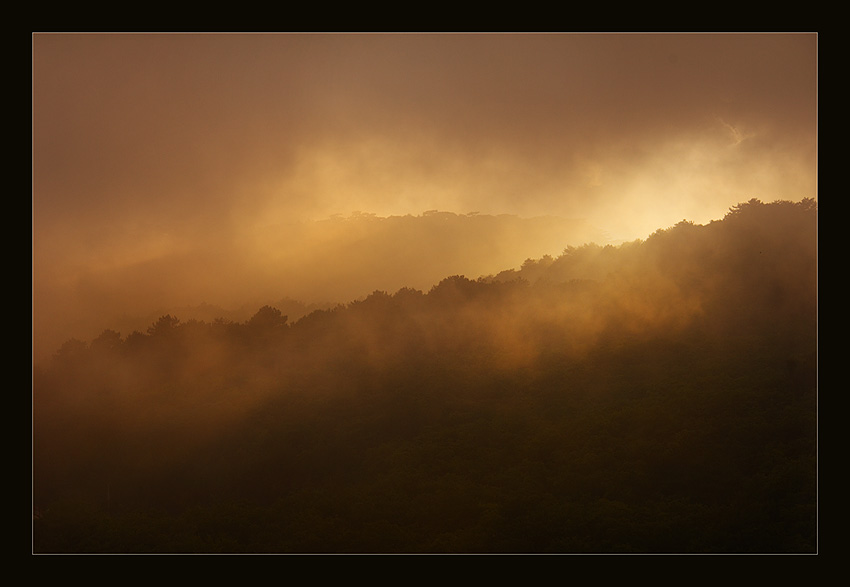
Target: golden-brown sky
163,161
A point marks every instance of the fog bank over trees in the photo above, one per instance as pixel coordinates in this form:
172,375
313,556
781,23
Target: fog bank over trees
318,264
655,396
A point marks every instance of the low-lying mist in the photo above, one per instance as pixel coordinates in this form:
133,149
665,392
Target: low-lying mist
316,264
653,396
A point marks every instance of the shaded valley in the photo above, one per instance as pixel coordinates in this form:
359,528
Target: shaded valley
658,396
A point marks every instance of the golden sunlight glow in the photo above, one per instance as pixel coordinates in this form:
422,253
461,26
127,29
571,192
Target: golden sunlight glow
168,165
437,293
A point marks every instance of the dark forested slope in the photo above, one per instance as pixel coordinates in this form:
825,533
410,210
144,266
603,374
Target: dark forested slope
659,396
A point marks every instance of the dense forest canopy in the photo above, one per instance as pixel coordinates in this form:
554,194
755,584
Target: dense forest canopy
656,396
317,264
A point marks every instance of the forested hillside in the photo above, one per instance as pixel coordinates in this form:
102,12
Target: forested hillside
658,396
320,263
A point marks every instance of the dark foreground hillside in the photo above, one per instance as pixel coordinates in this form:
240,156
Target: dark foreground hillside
660,396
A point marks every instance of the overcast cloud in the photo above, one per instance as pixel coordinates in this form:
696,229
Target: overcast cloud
151,147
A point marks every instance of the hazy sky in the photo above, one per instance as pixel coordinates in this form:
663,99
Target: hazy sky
149,146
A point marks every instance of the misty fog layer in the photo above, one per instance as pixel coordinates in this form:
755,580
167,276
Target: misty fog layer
323,263
172,170
656,396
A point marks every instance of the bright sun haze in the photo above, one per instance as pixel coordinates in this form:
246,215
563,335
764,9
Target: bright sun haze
425,293
169,167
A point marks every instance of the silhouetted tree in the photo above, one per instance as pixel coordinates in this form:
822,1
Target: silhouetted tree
266,318
164,326
107,341
71,350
